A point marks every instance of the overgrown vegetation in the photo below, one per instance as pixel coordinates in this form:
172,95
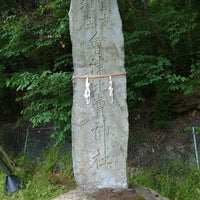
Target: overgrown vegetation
162,57
162,46
175,180
36,61
44,178
52,175
48,96
161,51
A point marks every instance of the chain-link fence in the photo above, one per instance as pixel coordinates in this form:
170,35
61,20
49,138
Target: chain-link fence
37,140
27,140
153,143
11,137
149,142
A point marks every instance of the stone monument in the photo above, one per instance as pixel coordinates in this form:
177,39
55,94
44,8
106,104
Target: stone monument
99,113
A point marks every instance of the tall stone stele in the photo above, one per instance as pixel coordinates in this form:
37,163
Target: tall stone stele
99,113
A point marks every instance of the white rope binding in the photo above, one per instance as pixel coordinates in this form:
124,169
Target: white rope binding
110,89
87,91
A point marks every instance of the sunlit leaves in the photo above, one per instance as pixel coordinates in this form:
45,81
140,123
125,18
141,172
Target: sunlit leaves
144,70
181,25
48,98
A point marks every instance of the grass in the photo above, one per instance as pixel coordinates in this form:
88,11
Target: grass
43,179
175,180
52,175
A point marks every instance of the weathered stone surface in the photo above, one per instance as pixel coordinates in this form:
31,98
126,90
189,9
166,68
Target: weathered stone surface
100,125
75,195
136,193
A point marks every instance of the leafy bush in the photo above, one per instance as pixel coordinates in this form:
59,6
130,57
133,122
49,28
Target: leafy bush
35,57
48,98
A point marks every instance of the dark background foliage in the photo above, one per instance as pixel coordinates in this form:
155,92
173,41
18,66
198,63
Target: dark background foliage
162,46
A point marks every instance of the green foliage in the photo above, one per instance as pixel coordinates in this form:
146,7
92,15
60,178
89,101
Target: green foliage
145,70
163,107
30,34
193,79
40,180
174,180
177,26
162,48
35,40
161,45
36,56
47,97
190,130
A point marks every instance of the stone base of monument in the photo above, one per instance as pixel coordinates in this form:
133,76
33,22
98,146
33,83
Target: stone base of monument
133,193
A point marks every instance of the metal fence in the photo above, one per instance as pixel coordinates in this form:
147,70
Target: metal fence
37,140
24,139
11,136
161,142
150,143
